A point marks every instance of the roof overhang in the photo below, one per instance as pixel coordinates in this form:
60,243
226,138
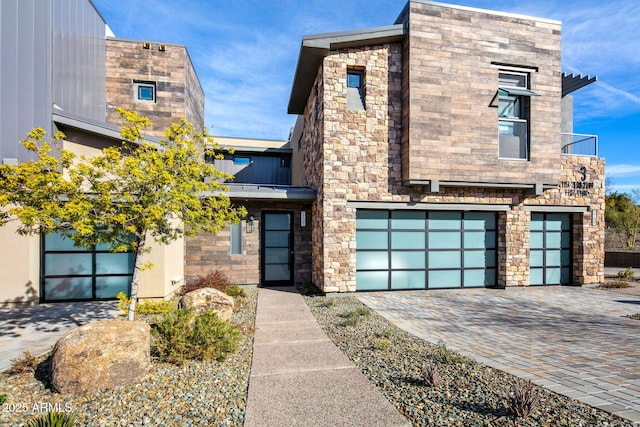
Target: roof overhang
316,47
572,82
270,192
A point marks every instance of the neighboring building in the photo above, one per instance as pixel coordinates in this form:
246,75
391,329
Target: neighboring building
63,70
436,153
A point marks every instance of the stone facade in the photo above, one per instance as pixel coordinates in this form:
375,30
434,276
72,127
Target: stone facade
428,116
178,91
451,61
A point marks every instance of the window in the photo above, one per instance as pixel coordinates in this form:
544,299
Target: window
355,89
235,238
513,113
242,161
144,91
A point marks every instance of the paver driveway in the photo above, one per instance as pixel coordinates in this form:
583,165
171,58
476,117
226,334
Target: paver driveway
570,340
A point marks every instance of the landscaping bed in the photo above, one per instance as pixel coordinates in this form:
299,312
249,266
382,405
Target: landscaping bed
469,393
197,393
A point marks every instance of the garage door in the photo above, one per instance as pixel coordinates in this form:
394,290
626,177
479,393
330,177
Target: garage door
406,249
550,255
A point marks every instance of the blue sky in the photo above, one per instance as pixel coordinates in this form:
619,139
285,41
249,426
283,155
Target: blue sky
245,54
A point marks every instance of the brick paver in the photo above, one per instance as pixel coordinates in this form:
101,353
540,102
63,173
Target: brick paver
570,340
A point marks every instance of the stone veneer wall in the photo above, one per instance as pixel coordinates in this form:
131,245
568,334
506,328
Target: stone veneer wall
355,155
450,83
206,251
178,91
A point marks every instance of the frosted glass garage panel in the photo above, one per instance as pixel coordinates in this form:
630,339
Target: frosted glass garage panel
536,258
444,279
445,220
566,240
554,240
536,276
372,280
67,288
408,220
114,263
445,259
444,240
537,241
376,260
558,222
68,264
109,287
407,260
553,276
58,242
372,219
479,278
408,280
537,221
407,240
479,221
479,259
553,258
372,239
479,239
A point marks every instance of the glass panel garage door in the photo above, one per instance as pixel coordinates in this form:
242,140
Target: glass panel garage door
69,273
550,255
417,249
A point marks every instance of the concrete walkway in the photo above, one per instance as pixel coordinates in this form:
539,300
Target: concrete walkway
38,328
300,378
570,340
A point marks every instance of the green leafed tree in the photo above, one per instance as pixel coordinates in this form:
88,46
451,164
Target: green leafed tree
622,216
129,193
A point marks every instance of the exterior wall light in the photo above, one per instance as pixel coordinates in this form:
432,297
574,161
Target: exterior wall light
250,223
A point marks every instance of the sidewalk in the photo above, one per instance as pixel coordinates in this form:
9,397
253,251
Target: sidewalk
300,378
38,328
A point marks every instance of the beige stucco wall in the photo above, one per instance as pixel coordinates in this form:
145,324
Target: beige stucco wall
19,267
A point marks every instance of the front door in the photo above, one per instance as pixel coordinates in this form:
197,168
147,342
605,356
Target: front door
277,248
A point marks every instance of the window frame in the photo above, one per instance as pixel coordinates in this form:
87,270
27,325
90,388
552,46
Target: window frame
141,84
514,96
236,243
355,94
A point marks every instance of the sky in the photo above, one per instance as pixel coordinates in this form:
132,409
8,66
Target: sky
245,54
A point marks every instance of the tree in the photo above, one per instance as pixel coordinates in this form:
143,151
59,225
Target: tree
130,192
622,216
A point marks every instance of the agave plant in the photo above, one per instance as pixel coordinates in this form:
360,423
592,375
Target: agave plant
522,400
431,374
52,419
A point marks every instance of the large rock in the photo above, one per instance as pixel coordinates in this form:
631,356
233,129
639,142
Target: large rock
209,298
101,355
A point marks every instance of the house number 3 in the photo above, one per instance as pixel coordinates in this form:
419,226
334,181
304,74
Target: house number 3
583,171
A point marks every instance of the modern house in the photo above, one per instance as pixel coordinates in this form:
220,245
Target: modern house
440,153
436,152
62,69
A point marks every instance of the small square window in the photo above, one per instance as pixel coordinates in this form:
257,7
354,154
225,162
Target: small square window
354,79
144,91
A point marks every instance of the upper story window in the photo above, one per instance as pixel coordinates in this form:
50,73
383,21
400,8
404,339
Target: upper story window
355,89
144,91
513,115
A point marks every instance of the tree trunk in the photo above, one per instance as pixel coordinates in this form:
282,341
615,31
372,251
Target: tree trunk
137,268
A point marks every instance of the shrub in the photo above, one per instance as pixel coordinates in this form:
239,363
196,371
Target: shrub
616,284
235,291
381,344
447,357
431,373
182,335
352,317
522,400
308,289
626,274
24,364
326,303
3,398
213,279
145,307
52,419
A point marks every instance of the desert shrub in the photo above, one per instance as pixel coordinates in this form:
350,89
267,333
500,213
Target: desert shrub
431,373
235,291
25,364
352,317
3,398
145,307
381,344
626,274
615,284
446,356
213,279
52,419
182,335
326,303
522,400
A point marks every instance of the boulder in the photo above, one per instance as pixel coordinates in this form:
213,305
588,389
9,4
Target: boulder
101,355
209,298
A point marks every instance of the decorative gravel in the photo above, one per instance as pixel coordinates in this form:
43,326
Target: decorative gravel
470,394
196,394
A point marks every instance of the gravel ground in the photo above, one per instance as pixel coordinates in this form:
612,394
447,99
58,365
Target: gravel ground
196,394
470,394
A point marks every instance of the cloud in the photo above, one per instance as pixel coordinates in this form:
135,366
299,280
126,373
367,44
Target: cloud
623,170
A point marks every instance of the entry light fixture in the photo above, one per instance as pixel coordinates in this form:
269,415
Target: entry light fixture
250,223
